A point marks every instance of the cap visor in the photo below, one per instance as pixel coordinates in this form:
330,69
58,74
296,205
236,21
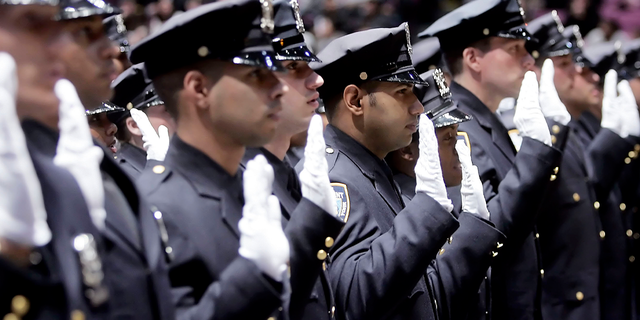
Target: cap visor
404,75
262,58
108,108
517,33
452,117
301,53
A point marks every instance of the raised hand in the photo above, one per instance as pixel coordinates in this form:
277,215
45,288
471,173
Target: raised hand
528,117
429,178
156,144
550,102
472,191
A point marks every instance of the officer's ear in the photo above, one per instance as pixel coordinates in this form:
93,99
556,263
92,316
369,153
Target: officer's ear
132,126
352,98
195,88
471,59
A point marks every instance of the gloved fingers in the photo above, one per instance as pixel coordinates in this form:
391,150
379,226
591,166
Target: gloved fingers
163,134
427,133
8,76
273,210
528,96
258,181
625,91
144,124
610,81
315,148
66,92
464,153
546,75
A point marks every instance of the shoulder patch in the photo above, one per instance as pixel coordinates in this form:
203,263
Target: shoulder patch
463,136
516,139
343,204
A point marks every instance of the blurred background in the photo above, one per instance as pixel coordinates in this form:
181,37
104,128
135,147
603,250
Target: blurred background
325,20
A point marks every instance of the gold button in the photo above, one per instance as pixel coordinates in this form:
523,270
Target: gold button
328,242
485,31
579,296
158,169
623,207
632,259
11,316
203,51
541,273
555,129
537,236
553,177
129,106
322,255
576,197
329,150
271,318
77,315
596,205
627,160
629,233
363,76
441,251
553,139
555,170
602,234
632,154
19,305
535,54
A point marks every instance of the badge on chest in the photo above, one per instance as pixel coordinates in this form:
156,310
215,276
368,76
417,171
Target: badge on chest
343,204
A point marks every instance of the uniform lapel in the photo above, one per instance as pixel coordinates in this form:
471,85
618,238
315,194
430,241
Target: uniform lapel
135,156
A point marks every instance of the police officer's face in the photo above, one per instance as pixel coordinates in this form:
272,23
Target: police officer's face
301,101
503,67
391,115
89,60
103,130
586,92
449,160
564,75
33,38
158,116
245,104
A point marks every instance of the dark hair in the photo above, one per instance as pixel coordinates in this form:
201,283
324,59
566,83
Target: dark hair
453,57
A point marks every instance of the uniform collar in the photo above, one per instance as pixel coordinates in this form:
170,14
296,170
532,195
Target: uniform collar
359,154
137,157
207,176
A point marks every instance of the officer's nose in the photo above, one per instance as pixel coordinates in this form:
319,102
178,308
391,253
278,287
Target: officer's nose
416,108
314,81
111,130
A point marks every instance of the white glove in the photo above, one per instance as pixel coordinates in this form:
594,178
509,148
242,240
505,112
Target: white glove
612,112
23,218
156,144
550,102
471,190
528,117
630,118
262,239
77,153
428,171
314,178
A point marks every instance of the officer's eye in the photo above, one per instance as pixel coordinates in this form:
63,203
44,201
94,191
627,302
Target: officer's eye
292,66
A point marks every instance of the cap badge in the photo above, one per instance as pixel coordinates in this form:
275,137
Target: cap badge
363,76
578,35
485,31
296,14
266,22
441,83
129,106
406,30
621,57
521,10
556,18
120,27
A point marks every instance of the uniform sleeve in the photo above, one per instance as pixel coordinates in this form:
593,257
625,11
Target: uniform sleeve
605,161
309,231
461,265
514,201
375,268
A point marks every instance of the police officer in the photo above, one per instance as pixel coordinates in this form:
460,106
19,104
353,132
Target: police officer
484,46
117,32
380,260
133,90
310,232
102,129
224,96
65,278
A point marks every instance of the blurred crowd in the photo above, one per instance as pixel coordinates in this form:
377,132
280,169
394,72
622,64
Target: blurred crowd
599,20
